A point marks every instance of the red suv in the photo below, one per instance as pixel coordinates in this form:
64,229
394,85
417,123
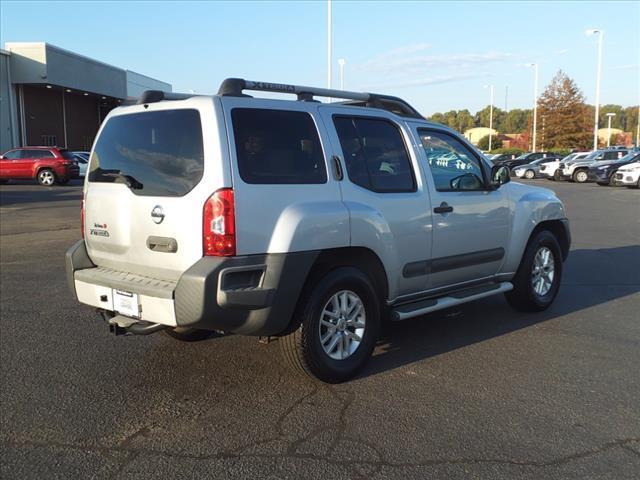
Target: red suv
47,165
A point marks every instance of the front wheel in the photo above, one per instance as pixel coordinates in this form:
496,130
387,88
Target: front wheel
340,318
537,280
529,174
580,176
46,177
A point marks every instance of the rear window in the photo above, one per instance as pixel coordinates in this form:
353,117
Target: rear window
277,147
154,153
67,155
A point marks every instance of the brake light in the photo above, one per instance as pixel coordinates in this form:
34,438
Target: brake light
82,217
219,225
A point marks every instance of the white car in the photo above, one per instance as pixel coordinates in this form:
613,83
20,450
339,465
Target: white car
549,169
301,220
627,176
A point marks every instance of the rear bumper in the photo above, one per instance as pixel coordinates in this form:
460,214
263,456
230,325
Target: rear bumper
248,295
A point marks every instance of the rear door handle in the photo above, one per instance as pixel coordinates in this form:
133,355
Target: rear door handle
443,208
162,244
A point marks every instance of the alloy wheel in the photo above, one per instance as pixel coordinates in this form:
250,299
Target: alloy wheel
342,324
543,271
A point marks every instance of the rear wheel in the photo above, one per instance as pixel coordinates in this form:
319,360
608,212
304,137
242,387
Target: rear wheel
46,177
537,280
556,176
529,174
340,318
580,176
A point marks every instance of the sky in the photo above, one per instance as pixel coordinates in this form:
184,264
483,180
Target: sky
436,55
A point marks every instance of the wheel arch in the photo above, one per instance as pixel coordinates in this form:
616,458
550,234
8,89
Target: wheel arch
362,258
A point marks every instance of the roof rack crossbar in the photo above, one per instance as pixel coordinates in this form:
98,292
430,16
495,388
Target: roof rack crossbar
233,87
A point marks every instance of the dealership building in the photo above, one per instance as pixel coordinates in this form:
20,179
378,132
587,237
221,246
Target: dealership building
51,96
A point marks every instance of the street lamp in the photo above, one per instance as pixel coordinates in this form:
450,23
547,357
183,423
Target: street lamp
610,115
535,101
600,34
341,63
329,46
490,87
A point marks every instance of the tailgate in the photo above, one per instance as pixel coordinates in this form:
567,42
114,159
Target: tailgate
145,193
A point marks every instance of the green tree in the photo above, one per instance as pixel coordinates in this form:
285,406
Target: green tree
437,118
465,121
516,121
563,109
617,121
483,143
482,118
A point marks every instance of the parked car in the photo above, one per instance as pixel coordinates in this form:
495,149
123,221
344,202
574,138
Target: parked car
532,170
602,173
627,176
548,169
82,159
46,165
577,170
502,157
312,222
527,158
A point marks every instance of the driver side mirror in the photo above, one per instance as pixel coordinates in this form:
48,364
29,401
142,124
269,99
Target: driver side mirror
499,176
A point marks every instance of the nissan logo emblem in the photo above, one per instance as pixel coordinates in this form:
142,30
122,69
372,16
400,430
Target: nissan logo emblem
157,214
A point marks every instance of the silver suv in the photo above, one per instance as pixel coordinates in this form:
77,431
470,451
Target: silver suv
308,221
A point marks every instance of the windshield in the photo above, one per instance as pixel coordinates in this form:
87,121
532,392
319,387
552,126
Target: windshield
593,155
155,153
629,157
571,156
522,157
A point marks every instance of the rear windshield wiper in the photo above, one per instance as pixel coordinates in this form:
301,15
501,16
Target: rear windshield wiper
128,180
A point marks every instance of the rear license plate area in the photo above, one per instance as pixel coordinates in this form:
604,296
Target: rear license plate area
126,303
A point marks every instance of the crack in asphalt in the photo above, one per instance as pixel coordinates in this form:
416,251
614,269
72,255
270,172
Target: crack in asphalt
622,443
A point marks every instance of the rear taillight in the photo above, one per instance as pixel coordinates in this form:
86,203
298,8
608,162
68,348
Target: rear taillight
82,217
219,225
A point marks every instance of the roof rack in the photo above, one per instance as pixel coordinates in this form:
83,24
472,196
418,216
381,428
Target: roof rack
233,87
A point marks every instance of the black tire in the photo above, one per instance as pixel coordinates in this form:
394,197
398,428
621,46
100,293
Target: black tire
302,349
556,176
578,176
529,175
603,184
185,334
63,182
523,296
46,177
2,181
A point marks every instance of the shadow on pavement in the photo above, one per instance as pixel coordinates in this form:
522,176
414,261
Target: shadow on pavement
591,277
18,193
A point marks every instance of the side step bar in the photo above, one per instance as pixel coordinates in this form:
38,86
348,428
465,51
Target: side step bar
423,307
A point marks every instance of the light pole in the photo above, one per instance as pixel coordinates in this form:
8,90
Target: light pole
490,87
638,129
329,46
341,63
535,102
600,34
609,115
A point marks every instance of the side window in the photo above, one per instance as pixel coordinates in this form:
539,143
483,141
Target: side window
453,166
375,154
13,155
277,147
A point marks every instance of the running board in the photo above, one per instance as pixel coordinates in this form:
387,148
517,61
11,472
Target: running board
452,299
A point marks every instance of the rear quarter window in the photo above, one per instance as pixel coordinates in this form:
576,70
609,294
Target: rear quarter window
156,153
277,147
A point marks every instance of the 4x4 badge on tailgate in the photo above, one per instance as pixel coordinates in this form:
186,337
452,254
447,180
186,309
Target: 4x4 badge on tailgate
157,214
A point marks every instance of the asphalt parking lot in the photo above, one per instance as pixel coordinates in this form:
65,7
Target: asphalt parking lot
475,392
